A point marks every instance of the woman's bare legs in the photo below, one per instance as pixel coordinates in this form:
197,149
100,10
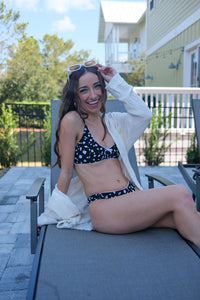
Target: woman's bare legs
170,206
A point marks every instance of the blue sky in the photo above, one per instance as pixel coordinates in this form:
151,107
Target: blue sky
70,19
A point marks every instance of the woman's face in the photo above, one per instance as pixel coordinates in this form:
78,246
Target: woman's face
90,93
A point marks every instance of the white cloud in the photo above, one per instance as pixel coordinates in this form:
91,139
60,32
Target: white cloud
64,24
25,4
62,6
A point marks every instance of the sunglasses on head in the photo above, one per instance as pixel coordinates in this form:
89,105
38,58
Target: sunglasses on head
76,67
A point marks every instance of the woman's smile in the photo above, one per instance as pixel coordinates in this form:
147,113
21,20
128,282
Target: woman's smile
90,92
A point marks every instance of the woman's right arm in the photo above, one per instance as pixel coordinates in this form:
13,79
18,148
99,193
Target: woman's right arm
67,141
132,124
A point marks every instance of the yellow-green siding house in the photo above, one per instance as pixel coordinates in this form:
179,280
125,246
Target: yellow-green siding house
173,43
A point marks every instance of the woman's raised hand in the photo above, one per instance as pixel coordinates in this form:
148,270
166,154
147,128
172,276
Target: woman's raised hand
107,72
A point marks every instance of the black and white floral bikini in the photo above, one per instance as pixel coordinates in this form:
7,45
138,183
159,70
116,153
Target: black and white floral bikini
88,151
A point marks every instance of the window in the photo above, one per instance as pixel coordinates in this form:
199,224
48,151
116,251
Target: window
151,4
195,68
135,49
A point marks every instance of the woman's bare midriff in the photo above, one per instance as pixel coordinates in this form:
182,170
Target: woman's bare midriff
102,176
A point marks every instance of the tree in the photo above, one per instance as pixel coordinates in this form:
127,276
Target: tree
57,56
24,77
137,76
10,31
32,70
37,72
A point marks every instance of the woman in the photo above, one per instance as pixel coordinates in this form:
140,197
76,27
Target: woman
96,145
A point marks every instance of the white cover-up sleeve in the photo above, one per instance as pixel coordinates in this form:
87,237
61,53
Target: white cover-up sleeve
132,124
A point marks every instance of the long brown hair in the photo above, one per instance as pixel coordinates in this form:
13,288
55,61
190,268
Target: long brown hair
70,101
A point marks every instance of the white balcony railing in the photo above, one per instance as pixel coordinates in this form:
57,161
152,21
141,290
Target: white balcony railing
174,100
120,61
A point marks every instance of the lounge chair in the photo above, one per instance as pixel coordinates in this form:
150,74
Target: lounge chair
76,264
194,181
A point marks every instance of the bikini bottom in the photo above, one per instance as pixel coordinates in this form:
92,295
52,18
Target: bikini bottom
130,188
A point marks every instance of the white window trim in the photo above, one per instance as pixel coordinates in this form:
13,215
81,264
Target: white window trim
188,50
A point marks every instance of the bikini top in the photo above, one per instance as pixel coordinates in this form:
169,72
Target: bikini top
88,151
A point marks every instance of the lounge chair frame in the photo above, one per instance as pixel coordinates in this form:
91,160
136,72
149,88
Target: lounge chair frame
194,181
74,264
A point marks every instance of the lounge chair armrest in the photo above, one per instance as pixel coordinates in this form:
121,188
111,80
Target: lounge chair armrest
196,171
36,191
190,165
190,182
162,180
197,177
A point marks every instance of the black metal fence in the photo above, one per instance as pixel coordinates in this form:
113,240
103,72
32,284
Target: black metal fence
30,125
30,128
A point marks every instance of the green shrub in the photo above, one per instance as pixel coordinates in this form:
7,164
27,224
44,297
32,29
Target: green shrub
155,141
46,137
10,151
192,155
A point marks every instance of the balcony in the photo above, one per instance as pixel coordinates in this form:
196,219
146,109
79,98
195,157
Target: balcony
120,60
